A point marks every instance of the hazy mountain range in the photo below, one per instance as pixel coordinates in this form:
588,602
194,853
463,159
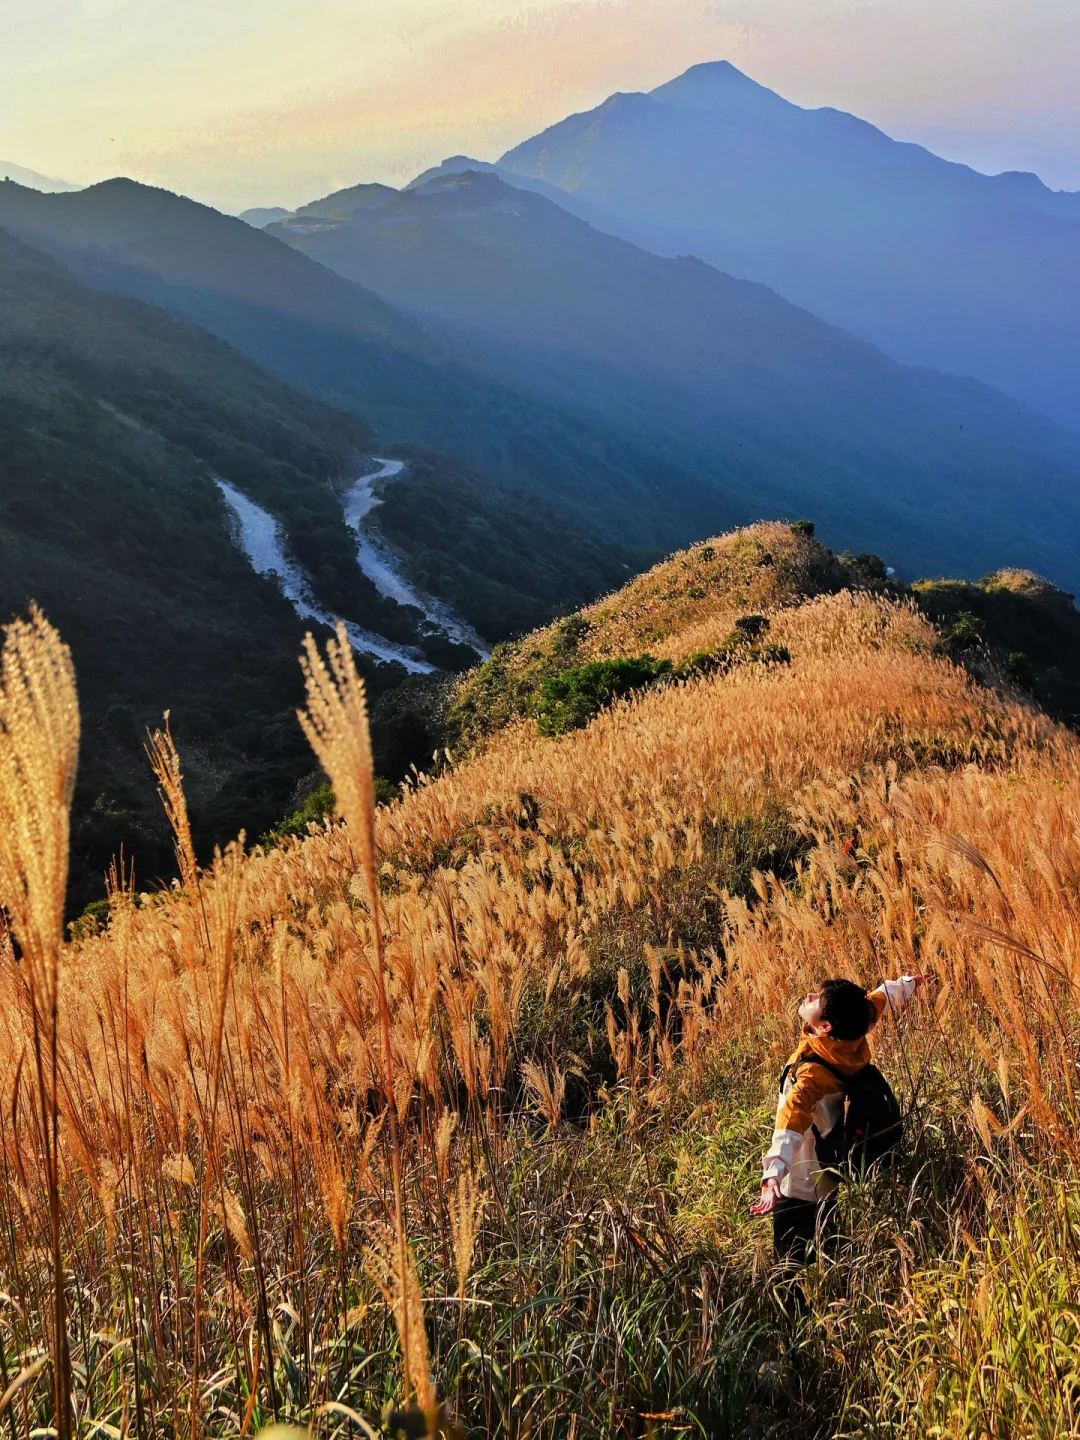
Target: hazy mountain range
116,421
779,410
938,264
659,399
345,343
31,179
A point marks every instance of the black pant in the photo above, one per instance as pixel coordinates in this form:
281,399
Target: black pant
801,1229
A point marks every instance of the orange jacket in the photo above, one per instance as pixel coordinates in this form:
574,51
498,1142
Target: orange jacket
814,1096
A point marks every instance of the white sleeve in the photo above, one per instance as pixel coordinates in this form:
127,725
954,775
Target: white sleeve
898,992
781,1154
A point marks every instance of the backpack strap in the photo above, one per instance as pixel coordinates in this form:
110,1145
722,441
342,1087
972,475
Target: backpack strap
811,1059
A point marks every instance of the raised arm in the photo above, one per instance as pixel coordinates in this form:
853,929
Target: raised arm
893,995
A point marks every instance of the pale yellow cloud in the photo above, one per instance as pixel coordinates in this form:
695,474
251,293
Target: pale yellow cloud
445,88
255,101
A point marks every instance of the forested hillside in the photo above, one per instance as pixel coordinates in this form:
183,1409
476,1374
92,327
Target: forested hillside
342,342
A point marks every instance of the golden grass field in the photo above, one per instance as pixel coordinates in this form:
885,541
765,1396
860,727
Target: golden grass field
450,1114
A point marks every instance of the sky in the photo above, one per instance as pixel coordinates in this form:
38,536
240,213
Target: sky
261,102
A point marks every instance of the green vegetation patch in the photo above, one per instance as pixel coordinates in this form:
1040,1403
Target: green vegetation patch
1015,625
570,700
504,560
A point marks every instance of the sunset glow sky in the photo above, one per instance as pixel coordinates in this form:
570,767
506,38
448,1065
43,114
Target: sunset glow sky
248,102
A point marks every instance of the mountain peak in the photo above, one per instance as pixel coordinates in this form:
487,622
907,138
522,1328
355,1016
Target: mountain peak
482,181
452,165
717,84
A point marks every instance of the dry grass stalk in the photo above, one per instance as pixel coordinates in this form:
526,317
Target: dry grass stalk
336,725
466,1212
548,1094
212,911
165,762
39,746
397,1278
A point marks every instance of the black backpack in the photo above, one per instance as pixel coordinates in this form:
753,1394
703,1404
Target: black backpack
871,1128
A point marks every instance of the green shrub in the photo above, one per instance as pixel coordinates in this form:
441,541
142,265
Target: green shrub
751,626
570,700
870,567
569,634
965,632
93,919
1020,670
738,649
703,662
319,807
803,527
316,808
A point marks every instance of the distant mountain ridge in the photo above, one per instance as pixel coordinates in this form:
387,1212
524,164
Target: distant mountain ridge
345,343
938,264
32,180
263,215
783,412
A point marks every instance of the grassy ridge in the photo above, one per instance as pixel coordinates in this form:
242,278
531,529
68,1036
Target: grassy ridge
688,604
592,948
690,609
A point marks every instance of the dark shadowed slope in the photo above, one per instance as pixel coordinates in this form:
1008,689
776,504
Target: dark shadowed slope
346,344
786,413
938,264
113,420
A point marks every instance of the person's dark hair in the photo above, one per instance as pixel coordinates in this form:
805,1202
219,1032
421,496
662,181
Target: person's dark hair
845,1006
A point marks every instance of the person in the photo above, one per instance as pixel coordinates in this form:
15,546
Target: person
797,1190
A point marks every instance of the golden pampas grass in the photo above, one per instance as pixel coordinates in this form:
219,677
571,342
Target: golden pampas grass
395,1272
39,747
308,1046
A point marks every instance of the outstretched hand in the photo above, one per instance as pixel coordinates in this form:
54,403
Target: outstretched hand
769,1198
927,978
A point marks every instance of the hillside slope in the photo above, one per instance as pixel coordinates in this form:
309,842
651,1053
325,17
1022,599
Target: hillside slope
593,947
734,602
342,342
116,419
938,264
687,606
111,521
784,412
